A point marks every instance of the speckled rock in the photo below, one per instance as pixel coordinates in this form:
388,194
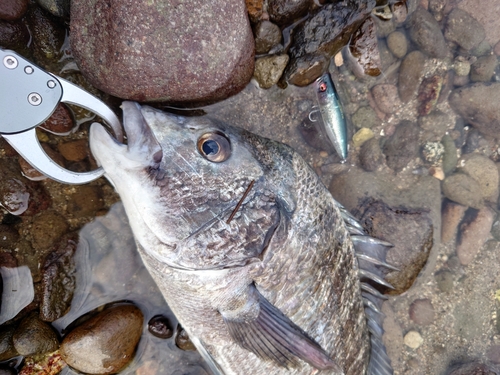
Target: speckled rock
402,146
422,312
386,97
199,51
11,10
435,125
474,104
484,171
47,228
474,234
7,349
255,9
284,12
268,70
370,155
463,189
105,343
452,216
464,29
267,35
410,73
47,36
34,336
426,33
161,327
59,8
483,69
397,43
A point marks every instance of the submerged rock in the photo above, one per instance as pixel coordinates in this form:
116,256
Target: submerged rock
402,146
34,336
195,51
473,235
464,29
426,33
410,73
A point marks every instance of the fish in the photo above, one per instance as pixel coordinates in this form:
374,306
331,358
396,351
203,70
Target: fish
265,271
330,107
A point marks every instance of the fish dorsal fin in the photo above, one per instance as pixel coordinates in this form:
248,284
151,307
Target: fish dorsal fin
271,335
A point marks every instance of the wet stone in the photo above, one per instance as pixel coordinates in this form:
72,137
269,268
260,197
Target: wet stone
31,173
463,189
74,150
254,8
473,235
483,49
484,171
13,35
402,146
474,104
444,281
284,12
426,33
483,69
436,7
7,349
361,136
413,339
422,312
85,201
386,97
58,279
410,73
182,339
105,343
34,336
364,49
14,195
48,36
365,117
397,43
428,94
47,228
452,215
464,29
450,154
409,230
60,122
59,8
435,125
305,70
461,66
11,10
267,35
160,326
268,70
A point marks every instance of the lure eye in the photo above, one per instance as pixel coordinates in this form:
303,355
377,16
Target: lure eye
214,147
322,87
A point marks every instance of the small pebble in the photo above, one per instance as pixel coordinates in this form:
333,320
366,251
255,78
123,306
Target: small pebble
413,339
463,189
371,156
452,215
410,73
60,122
483,69
437,172
161,327
11,10
268,70
267,35
397,43
74,150
361,136
473,235
422,312
387,98
365,117
182,339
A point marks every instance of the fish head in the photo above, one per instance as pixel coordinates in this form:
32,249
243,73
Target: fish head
180,180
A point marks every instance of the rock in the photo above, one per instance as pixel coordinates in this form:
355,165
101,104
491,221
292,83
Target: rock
483,69
74,150
410,73
483,49
486,15
11,10
386,97
202,51
398,44
14,195
444,280
422,312
7,349
105,343
8,237
472,369
384,26
464,29
363,48
58,279
161,327
425,32
450,154
59,8
284,12
365,117
413,339
304,70
461,67
361,136
85,201
484,171
14,35
435,125
182,339
453,214
409,230
254,8
473,235
495,230
463,189
474,104
433,152
268,70
7,260
370,155
402,146
428,94
436,7
267,35
47,228
60,122
34,336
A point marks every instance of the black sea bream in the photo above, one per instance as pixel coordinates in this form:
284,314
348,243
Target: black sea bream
250,250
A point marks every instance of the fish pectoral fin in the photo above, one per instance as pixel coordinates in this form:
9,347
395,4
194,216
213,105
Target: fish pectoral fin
271,335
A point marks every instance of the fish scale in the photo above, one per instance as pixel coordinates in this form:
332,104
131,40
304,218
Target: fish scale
276,291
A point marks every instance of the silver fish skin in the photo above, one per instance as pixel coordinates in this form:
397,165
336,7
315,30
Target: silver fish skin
247,246
332,114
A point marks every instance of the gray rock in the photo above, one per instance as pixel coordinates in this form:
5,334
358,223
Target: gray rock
7,349
34,336
105,343
267,35
453,214
463,189
370,155
386,97
268,70
422,312
402,146
450,157
365,117
484,171
483,69
425,32
444,280
474,104
161,51
435,125
410,73
464,29
473,235
397,43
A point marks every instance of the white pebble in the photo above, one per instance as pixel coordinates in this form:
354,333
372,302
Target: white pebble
413,339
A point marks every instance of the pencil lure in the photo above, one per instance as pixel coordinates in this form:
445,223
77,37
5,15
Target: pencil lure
332,114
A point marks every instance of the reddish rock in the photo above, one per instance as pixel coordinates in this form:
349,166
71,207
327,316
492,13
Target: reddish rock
11,10
428,94
486,12
386,97
452,216
74,150
160,51
474,234
60,122
254,8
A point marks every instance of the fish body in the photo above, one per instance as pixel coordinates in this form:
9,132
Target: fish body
332,113
247,246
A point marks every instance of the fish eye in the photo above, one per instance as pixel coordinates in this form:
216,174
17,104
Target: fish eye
322,87
214,147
